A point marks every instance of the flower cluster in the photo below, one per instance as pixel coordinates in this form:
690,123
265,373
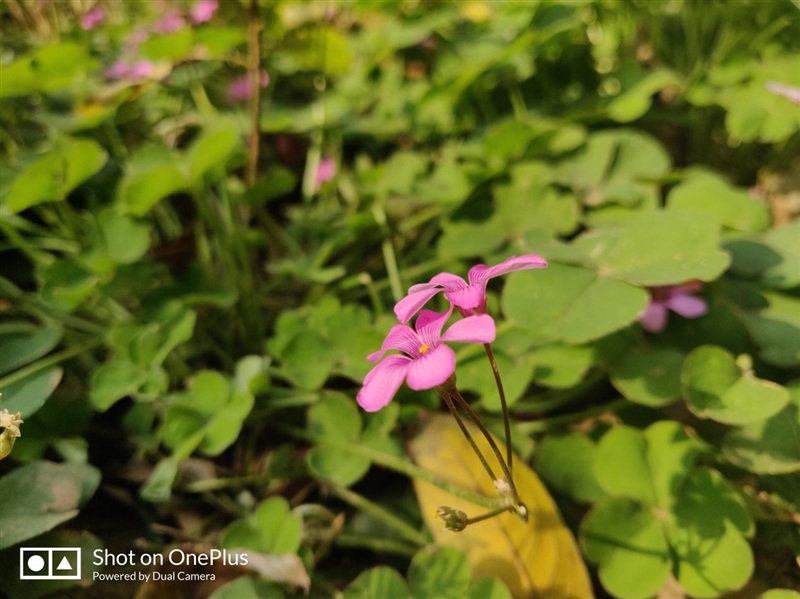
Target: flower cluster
426,362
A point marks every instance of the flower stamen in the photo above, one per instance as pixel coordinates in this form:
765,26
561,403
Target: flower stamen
424,348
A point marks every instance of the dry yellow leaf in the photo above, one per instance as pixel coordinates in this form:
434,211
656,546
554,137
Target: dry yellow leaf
538,559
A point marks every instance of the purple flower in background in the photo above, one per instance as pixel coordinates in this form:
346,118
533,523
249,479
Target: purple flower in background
171,22
203,10
790,93
240,90
130,71
325,171
92,18
469,297
426,361
677,298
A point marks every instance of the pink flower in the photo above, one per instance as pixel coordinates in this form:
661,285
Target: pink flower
92,18
130,72
325,171
239,89
203,10
427,362
469,298
677,298
790,93
169,23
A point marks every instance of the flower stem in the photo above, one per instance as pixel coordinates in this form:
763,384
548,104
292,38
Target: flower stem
488,515
409,533
446,397
490,440
506,424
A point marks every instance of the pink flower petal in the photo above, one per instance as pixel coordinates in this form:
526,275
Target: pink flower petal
473,329
654,318
468,298
400,337
382,382
429,326
687,306
432,368
449,281
411,304
790,93
203,10
325,171
481,272
92,18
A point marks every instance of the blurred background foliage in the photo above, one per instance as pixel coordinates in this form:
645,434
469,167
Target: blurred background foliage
209,209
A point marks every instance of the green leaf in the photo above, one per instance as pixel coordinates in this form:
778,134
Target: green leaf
708,194
561,366
770,446
573,304
307,360
336,417
780,594
670,455
773,258
628,543
272,528
716,387
51,178
476,375
39,496
488,588
567,464
114,380
151,174
247,587
119,239
636,101
439,573
169,47
378,583
27,395
706,532
650,376
659,248
24,345
66,285
621,467
212,149
158,486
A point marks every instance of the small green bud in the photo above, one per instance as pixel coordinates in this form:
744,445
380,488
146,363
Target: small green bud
9,431
454,519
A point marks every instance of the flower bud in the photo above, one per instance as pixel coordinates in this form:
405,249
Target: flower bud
9,431
454,519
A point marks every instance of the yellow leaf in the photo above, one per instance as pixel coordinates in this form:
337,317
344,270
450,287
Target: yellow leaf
535,559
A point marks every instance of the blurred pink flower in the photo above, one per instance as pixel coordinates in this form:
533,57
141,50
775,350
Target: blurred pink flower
203,10
469,298
677,298
171,22
92,18
790,93
325,171
130,71
427,362
239,89
136,38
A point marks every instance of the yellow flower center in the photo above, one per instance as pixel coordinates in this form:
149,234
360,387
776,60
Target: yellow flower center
424,348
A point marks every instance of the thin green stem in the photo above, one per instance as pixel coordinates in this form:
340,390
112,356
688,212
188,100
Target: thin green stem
446,397
490,440
360,502
488,515
392,463
389,256
506,424
540,426
50,360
